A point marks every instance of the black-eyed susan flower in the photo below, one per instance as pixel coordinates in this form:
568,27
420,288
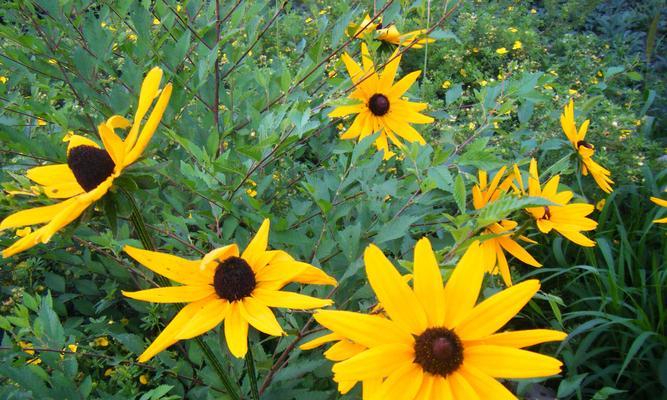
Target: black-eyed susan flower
435,342
90,169
482,194
661,203
226,285
380,105
389,33
584,149
568,219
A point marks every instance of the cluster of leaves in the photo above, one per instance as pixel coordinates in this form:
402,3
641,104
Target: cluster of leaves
245,137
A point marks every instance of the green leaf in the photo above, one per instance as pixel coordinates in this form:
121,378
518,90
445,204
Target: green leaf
503,207
460,193
454,93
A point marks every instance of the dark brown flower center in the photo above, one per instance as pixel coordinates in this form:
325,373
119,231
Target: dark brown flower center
547,213
585,144
379,104
234,279
90,165
438,351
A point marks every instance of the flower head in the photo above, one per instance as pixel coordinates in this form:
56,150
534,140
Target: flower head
90,169
388,34
568,219
483,194
436,342
380,106
661,203
584,149
226,285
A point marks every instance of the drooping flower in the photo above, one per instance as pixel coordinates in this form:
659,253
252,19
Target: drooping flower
661,203
389,34
568,219
379,104
483,194
226,285
436,342
90,170
584,149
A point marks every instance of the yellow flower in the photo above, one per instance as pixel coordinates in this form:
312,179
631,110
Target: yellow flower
366,27
533,11
53,61
661,203
380,106
156,21
90,170
224,285
600,205
41,122
72,347
548,87
23,232
27,347
584,149
251,192
513,29
572,91
483,82
435,342
446,84
475,50
494,248
3,79
463,73
179,8
108,372
415,39
501,51
133,37
309,20
101,341
143,379
517,45
567,219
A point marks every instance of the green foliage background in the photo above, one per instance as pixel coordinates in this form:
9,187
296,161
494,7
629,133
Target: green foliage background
246,137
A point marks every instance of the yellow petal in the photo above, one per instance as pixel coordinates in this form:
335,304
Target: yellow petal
23,244
280,273
260,316
461,388
317,342
149,90
209,263
659,201
343,350
63,190
389,72
77,140
207,318
428,283
372,363
172,267
117,121
426,389
50,174
112,143
464,284
398,300
403,384
35,215
517,251
236,331
275,298
172,294
257,246
442,388
168,335
342,111
494,312
520,339
404,84
149,128
485,386
367,330
510,363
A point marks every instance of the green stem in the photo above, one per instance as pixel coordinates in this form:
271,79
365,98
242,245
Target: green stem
250,363
140,226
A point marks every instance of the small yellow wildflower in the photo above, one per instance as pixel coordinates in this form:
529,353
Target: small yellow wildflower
156,21
471,125
101,341
599,74
23,231
513,29
340,126
600,204
548,87
446,84
323,11
72,347
572,91
309,20
251,192
483,82
179,8
501,51
26,345
638,122
496,125
331,73
463,72
108,372
554,73
53,61
224,59
133,37
103,24
533,11
517,45
3,79
475,50
41,122
143,379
